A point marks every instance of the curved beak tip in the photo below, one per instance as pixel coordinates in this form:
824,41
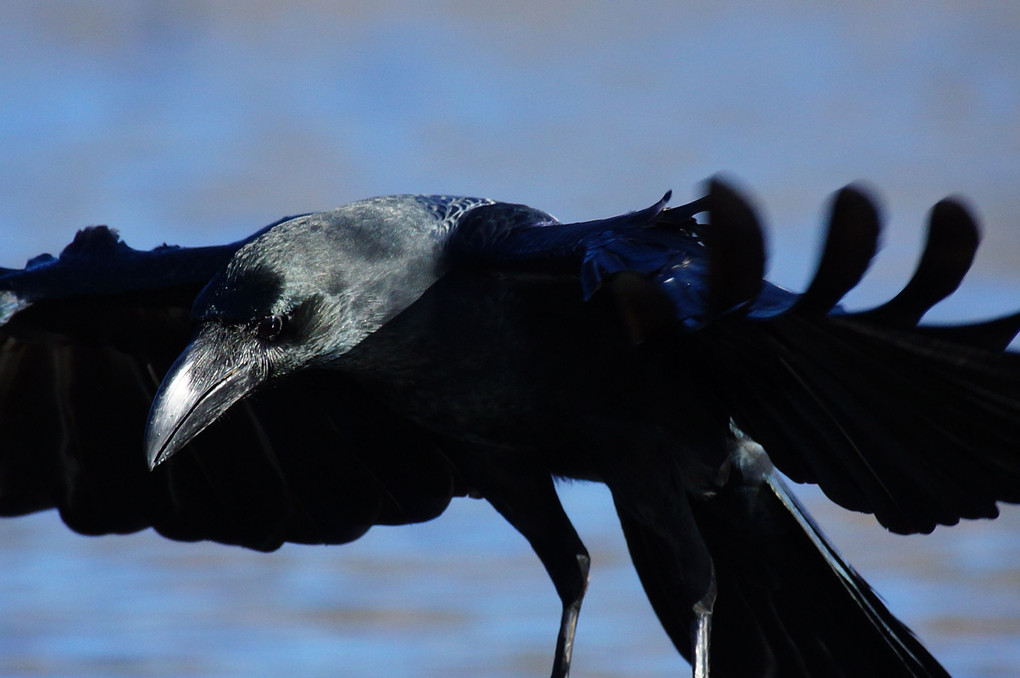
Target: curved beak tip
155,456
160,432
199,387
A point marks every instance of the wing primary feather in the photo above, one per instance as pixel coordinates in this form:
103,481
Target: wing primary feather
953,238
991,335
736,251
850,244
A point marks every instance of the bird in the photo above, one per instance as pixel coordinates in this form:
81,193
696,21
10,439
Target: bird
365,365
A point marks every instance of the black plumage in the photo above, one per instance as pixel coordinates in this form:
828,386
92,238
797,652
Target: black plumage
363,366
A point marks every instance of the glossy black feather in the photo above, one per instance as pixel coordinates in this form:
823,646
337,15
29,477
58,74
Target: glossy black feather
850,244
427,347
83,362
948,253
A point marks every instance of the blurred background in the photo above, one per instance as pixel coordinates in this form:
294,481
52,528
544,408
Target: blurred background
197,122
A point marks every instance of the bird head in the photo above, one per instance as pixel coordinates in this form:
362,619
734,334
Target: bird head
299,295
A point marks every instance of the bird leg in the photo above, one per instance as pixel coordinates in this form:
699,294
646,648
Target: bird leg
571,598
701,634
529,502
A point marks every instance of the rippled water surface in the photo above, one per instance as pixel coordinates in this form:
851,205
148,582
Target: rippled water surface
198,122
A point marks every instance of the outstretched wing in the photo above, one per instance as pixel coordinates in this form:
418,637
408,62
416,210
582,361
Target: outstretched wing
919,425
85,340
915,424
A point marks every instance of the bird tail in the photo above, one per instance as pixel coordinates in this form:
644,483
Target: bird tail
786,603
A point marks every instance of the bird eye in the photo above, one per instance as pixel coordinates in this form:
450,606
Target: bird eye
269,327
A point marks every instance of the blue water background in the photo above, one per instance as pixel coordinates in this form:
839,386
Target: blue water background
197,122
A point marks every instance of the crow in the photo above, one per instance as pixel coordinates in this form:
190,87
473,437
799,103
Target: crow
364,365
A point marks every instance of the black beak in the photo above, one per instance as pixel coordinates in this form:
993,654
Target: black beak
209,376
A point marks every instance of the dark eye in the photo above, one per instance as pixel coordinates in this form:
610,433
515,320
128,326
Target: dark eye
269,327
